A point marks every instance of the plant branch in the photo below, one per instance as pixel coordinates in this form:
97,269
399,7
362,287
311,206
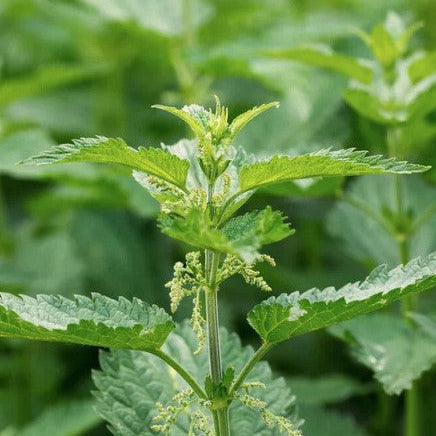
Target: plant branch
249,366
181,371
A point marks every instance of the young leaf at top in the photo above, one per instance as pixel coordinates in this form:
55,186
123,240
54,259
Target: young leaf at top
98,321
153,161
243,119
324,57
280,318
388,40
204,122
241,236
323,163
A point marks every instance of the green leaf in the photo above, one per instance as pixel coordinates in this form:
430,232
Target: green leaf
153,161
422,66
241,236
258,228
21,145
426,322
365,220
391,347
389,40
322,56
195,116
328,389
320,421
71,418
44,80
130,383
368,103
195,230
243,119
165,18
314,188
98,321
280,318
322,163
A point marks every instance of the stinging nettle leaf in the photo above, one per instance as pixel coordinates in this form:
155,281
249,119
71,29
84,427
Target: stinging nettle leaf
243,119
322,56
98,321
422,66
397,351
258,228
280,318
153,161
241,236
71,418
323,163
130,383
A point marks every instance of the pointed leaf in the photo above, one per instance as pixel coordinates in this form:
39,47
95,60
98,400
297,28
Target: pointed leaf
422,67
45,79
130,383
391,347
258,228
154,161
320,421
196,117
327,389
323,163
241,236
322,56
65,419
98,321
280,318
364,220
368,103
243,119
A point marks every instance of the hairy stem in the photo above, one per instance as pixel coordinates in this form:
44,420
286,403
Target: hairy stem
249,366
212,260
181,371
221,420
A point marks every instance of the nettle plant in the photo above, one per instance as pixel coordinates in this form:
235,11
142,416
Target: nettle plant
395,89
195,378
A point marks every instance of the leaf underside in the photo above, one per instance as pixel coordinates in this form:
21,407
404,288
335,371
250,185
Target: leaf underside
323,163
130,383
98,321
395,350
280,318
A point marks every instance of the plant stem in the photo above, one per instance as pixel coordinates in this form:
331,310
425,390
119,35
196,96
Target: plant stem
221,420
249,366
181,371
412,424
212,260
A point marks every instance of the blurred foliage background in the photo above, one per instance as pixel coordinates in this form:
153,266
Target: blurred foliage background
73,68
